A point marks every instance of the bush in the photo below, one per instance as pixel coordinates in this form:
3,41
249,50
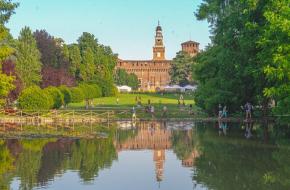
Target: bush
109,90
87,90
97,92
33,98
77,95
57,96
66,94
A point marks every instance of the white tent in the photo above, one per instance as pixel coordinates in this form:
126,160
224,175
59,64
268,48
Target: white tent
124,88
189,88
173,88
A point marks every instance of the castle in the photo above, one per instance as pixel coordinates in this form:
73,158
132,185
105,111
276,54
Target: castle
153,75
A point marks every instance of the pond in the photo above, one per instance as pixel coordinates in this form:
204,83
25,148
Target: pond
151,155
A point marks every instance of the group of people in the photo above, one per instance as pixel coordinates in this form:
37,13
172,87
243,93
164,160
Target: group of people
248,108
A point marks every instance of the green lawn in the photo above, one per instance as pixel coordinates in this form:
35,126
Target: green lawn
127,101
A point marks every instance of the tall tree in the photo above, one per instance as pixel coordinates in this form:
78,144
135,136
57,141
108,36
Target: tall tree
229,71
6,82
75,60
28,65
181,68
275,53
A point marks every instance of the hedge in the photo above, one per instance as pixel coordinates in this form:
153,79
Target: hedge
77,95
57,96
67,96
33,98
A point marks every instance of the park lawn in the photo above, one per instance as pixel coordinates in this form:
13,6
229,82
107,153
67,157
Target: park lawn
127,101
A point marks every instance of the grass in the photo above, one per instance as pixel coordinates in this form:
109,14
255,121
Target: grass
127,101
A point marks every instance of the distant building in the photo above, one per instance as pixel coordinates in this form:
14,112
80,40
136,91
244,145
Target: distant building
153,75
190,47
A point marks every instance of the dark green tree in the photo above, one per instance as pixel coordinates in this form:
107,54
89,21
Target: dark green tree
181,68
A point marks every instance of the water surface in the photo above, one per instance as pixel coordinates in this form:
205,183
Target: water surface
151,155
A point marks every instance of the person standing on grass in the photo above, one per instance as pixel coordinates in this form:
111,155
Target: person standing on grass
248,108
220,112
134,113
117,100
225,112
152,111
164,113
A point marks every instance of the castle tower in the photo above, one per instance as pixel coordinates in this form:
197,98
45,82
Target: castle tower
158,49
190,47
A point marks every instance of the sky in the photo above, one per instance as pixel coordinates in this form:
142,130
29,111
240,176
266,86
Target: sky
127,26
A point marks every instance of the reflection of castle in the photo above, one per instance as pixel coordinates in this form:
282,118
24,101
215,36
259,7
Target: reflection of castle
155,137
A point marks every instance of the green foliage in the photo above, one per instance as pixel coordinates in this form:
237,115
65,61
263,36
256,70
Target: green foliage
67,96
180,70
28,65
6,10
6,85
77,95
121,77
75,60
57,96
229,71
33,98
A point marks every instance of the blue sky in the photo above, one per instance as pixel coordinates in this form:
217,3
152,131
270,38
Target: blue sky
127,26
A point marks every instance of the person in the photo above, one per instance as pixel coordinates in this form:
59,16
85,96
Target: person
164,114
149,102
136,99
134,113
181,97
248,107
190,110
117,100
152,111
225,112
220,112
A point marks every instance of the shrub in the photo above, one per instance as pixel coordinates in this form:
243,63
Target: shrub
97,92
66,94
33,98
57,96
88,91
77,95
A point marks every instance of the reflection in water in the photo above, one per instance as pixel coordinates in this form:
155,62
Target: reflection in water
218,157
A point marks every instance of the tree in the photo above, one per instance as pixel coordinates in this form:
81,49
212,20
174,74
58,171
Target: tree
275,54
28,65
121,77
6,82
181,68
6,10
229,71
75,60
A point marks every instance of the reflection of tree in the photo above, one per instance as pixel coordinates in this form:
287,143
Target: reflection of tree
29,161
6,165
239,164
52,161
183,143
89,156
